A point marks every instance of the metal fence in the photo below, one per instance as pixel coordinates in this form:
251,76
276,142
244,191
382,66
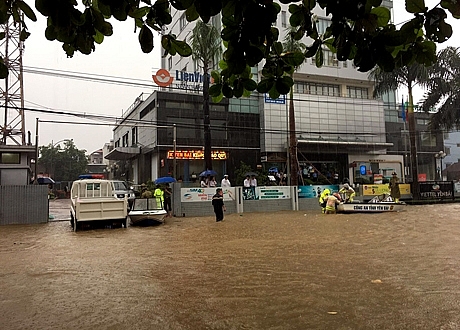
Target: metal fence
23,204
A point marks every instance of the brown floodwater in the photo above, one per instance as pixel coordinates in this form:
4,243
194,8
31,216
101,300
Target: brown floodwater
282,270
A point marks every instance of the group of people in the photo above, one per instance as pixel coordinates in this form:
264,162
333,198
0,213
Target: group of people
210,182
162,195
329,202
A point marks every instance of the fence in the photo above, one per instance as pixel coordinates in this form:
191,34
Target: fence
23,204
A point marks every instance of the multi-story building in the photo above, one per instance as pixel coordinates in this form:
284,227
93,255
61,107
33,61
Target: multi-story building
162,134
340,127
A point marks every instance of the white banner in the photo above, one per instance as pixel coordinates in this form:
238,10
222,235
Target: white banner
205,194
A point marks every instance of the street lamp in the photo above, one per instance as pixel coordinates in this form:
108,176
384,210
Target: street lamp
439,155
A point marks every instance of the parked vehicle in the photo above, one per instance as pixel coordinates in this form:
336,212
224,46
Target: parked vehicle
95,200
145,211
122,190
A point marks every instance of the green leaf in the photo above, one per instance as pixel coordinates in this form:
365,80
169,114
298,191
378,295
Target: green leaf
284,84
98,37
181,47
26,10
415,6
191,14
265,85
218,98
140,12
277,48
294,59
227,91
383,15
215,90
452,6
273,93
146,39
249,84
319,58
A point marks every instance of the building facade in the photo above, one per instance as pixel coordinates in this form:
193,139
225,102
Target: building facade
162,135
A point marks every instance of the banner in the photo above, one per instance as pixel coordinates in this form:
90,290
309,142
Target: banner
269,192
437,190
205,194
314,191
380,189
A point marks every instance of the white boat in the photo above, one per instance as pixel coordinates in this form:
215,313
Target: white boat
378,204
145,211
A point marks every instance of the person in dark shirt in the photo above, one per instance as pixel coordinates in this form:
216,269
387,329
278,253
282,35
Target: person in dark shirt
218,204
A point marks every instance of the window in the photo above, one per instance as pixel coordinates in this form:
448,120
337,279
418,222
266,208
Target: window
117,143
428,139
357,92
134,135
317,89
125,140
283,19
182,22
322,24
329,58
10,158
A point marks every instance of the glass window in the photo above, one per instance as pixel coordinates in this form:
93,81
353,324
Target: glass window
182,22
10,158
357,92
428,139
322,24
283,19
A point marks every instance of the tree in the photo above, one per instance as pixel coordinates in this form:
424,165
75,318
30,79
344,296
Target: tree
409,76
291,45
65,164
360,31
206,47
443,90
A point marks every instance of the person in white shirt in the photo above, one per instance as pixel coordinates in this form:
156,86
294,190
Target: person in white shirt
203,183
212,182
225,182
247,182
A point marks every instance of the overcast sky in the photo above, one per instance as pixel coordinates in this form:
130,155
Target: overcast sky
119,57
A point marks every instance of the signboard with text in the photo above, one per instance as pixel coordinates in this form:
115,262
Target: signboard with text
205,194
314,191
437,190
196,154
380,189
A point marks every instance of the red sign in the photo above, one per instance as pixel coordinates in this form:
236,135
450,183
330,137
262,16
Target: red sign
162,78
421,177
196,154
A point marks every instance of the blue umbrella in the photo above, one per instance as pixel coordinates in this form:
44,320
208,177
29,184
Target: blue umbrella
208,172
273,169
165,179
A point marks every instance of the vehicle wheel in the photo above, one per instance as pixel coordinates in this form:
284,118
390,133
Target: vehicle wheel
71,219
75,225
125,223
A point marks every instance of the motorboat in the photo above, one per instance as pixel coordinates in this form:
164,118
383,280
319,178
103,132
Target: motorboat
378,204
146,211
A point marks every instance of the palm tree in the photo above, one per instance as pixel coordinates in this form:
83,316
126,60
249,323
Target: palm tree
443,91
292,45
408,76
206,46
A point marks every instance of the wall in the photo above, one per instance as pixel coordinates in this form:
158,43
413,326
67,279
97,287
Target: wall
23,204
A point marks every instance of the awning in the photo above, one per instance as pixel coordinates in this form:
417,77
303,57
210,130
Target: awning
123,153
345,145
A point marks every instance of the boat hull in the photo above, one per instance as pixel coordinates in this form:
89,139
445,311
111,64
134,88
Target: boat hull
151,216
370,207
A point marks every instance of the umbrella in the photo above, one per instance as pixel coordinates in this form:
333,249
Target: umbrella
45,180
165,179
208,172
251,173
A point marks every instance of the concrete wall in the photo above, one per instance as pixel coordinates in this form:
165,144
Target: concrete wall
23,204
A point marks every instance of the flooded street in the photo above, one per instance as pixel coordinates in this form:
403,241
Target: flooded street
283,270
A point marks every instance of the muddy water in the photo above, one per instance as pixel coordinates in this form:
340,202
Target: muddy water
284,270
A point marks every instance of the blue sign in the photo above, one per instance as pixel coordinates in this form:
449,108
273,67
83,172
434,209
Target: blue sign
362,169
279,100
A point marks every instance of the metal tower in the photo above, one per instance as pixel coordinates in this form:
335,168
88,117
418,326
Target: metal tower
12,125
